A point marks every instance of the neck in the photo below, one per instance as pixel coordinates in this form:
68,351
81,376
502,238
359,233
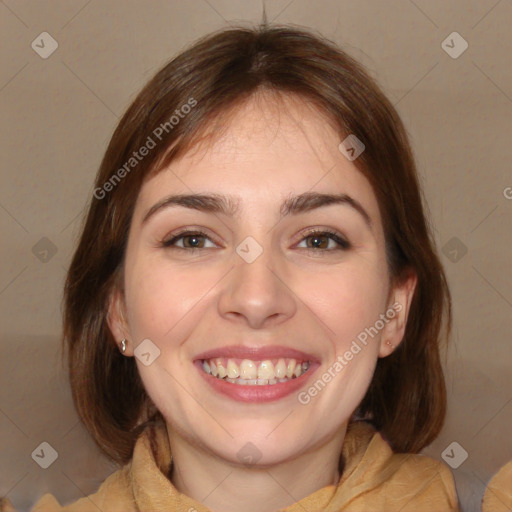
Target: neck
223,486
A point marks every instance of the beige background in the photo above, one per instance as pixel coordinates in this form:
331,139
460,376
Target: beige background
58,114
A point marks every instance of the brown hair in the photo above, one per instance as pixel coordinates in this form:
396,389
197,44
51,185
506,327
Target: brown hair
406,400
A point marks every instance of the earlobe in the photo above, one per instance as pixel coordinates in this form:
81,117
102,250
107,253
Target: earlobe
400,303
117,323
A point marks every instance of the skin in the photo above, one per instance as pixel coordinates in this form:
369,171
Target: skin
188,301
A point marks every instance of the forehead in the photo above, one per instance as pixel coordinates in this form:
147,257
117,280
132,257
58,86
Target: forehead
266,149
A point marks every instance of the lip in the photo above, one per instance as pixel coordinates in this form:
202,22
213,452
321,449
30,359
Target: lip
256,393
257,353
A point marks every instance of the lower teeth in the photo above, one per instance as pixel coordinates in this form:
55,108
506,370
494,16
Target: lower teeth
255,382
260,382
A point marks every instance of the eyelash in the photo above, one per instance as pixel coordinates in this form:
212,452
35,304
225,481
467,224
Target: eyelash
343,244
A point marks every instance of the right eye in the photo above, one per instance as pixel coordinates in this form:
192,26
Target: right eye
191,240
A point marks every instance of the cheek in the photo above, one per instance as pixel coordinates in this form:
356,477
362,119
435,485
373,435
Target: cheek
160,297
347,299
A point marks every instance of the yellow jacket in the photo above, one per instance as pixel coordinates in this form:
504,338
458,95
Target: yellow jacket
374,479
498,495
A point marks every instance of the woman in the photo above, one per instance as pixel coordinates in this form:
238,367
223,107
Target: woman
254,312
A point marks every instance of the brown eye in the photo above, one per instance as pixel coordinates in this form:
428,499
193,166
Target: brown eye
322,239
190,240
194,241
318,241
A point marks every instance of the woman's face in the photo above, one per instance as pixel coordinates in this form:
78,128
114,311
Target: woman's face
257,293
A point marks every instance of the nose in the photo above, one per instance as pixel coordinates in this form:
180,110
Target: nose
256,294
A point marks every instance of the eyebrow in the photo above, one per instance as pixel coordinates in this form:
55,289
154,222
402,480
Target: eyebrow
227,205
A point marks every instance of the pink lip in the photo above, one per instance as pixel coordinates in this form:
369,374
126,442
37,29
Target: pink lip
255,393
257,353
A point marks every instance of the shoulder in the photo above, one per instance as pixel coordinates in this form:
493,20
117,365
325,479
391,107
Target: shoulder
114,493
121,490
498,494
407,481
430,480
420,482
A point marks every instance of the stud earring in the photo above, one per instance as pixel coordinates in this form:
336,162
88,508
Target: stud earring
389,344
123,346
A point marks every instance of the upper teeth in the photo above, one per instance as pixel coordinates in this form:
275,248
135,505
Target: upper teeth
246,369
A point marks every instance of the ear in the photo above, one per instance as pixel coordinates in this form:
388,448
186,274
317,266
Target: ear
116,319
398,310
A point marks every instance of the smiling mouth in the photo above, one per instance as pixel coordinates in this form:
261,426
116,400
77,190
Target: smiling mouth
248,372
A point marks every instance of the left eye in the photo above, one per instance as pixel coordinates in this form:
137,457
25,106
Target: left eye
321,239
